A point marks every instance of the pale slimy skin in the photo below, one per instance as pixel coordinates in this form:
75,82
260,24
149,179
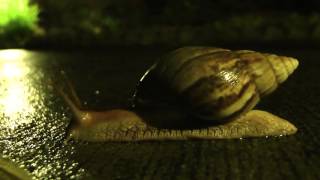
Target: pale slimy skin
130,127
244,75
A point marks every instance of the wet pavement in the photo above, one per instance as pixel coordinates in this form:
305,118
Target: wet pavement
34,119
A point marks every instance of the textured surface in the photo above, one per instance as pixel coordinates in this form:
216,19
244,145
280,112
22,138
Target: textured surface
106,79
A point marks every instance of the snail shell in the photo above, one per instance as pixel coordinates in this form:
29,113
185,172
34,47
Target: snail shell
213,84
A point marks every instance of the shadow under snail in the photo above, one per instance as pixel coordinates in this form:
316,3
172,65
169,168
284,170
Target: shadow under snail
192,93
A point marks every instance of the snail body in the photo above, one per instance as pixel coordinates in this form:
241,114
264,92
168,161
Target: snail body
194,92
255,123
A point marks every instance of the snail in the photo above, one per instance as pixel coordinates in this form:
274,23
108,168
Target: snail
192,93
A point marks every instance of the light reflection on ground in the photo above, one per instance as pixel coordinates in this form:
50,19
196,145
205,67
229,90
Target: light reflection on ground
15,89
31,128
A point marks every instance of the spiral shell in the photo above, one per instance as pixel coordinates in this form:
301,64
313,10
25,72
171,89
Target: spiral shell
212,83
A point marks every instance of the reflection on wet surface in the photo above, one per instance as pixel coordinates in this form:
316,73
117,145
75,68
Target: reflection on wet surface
16,92
33,121
31,130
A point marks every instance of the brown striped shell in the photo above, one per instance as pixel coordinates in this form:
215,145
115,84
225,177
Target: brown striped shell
212,83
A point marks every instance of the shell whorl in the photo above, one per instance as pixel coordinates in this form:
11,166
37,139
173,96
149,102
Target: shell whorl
267,70
218,84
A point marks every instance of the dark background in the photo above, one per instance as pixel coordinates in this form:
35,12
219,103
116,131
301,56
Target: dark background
98,23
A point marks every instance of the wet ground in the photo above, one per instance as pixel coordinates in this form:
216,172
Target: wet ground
33,123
